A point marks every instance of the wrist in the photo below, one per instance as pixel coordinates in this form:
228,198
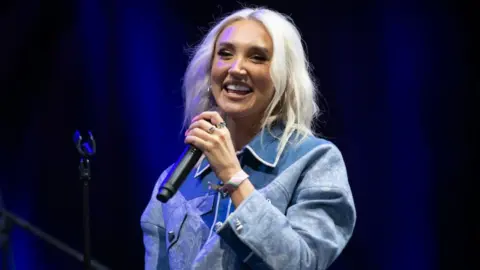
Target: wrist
227,174
235,181
245,189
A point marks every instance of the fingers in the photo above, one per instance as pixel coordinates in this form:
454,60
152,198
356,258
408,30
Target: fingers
207,131
200,134
212,116
204,122
201,124
198,142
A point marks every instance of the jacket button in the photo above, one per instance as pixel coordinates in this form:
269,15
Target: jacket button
171,236
238,226
218,225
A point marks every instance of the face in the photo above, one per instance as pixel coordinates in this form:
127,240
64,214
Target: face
240,75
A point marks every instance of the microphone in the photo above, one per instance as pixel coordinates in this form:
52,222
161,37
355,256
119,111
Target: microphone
178,173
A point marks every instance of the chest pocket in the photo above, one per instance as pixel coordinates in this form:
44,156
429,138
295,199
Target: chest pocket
184,217
202,205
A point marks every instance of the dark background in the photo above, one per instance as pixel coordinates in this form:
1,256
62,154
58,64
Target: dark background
400,79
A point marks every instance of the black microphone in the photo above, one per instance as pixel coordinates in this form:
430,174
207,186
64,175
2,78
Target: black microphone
178,173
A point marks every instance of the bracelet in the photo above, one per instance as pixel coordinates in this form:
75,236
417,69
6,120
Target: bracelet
234,182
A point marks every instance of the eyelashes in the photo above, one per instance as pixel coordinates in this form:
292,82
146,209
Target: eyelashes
224,53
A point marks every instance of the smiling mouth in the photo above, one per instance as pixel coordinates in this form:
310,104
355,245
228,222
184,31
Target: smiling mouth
238,89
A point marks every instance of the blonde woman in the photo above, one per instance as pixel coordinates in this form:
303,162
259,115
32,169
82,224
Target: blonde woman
268,194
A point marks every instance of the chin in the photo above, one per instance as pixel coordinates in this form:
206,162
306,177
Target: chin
235,110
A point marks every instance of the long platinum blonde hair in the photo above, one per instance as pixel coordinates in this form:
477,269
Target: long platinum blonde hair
294,101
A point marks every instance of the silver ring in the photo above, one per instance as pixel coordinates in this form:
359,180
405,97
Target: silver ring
221,125
211,129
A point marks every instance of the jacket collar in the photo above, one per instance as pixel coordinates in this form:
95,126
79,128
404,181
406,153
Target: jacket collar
263,147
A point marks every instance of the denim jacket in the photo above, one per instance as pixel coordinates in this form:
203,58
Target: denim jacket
300,216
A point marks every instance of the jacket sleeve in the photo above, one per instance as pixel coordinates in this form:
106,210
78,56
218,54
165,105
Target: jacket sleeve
153,227
316,227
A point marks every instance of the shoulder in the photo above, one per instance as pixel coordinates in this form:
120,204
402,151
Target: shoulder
310,141
311,147
322,164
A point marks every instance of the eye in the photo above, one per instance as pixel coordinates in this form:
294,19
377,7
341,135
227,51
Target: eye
224,53
259,58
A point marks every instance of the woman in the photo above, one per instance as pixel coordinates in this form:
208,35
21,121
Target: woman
268,194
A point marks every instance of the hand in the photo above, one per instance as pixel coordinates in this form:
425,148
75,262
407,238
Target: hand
215,143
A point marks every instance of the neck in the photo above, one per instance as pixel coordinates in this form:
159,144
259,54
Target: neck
242,131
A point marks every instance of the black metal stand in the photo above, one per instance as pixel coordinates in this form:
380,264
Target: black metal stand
8,219
86,150
85,177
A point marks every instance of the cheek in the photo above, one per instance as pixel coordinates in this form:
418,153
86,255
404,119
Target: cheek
218,71
265,84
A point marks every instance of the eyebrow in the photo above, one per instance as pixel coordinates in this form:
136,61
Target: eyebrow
254,47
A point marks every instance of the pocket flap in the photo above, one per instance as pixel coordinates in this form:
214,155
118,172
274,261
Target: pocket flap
176,215
202,205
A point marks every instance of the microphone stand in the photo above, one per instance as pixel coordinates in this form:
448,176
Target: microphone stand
7,220
86,150
10,219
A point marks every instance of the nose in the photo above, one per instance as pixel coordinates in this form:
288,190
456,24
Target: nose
237,69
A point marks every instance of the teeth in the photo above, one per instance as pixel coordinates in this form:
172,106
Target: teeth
236,87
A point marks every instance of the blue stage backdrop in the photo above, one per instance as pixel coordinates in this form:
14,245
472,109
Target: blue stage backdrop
397,77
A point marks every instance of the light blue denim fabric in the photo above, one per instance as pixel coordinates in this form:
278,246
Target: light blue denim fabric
300,216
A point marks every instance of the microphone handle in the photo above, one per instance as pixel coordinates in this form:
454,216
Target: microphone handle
177,175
